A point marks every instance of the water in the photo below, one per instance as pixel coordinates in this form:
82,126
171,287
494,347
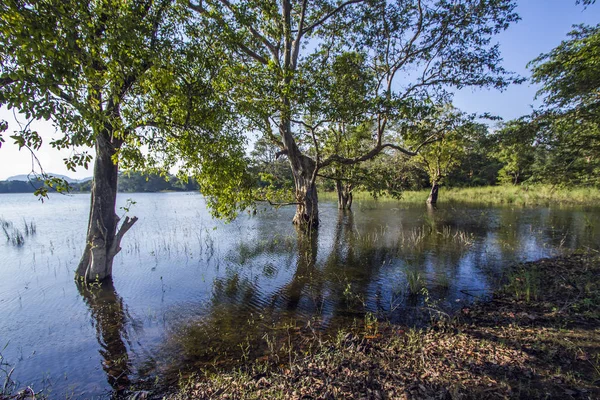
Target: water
190,291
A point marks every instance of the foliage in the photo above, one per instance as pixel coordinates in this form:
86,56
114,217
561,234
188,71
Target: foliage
449,131
569,74
128,182
568,127
136,74
274,181
569,152
516,151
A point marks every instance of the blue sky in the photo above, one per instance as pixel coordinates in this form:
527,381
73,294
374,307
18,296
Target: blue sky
544,24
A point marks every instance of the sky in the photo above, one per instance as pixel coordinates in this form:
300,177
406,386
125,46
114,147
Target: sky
543,25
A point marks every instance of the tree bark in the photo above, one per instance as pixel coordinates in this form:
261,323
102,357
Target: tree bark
433,195
344,193
102,240
307,210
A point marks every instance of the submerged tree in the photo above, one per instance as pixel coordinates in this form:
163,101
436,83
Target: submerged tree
414,49
126,78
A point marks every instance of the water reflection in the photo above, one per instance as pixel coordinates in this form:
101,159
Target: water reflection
207,296
109,317
275,285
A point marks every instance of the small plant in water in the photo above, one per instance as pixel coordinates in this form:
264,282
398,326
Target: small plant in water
14,235
414,280
8,384
30,228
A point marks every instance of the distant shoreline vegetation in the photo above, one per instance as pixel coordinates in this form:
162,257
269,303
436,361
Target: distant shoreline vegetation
519,195
128,183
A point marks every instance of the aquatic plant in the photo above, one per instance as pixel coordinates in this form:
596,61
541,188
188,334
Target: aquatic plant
14,235
30,228
414,280
6,370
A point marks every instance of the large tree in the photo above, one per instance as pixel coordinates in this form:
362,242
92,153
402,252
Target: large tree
414,49
126,78
569,74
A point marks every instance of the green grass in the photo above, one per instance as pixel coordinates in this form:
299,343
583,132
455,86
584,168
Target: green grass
522,195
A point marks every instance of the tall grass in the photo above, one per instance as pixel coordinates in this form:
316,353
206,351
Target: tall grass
521,195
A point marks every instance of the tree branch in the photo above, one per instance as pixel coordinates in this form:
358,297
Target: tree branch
253,30
116,245
296,43
329,15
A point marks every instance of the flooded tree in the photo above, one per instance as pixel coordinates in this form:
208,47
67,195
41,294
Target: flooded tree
126,79
431,45
454,130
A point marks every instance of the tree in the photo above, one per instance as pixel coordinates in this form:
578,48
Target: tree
478,165
439,158
567,152
569,74
516,150
433,45
568,124
130,79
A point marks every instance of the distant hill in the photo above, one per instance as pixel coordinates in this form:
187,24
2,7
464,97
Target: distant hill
131,182
25,178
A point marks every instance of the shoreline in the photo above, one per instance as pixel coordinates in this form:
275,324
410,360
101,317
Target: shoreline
538,337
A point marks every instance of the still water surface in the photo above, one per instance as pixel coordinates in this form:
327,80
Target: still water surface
190,291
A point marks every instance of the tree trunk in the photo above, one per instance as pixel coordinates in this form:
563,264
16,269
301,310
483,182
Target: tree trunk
307,210
344,193
433,195
103,241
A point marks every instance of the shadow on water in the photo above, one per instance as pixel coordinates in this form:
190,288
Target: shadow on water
109,318
342,280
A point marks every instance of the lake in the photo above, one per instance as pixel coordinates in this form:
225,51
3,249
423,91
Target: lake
191,292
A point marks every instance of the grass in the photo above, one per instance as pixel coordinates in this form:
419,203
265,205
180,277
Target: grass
524,283
522,195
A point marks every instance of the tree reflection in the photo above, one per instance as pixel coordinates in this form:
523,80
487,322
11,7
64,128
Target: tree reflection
109,319
306,272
